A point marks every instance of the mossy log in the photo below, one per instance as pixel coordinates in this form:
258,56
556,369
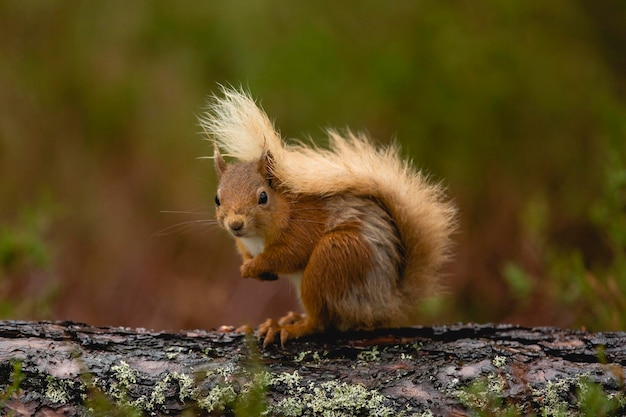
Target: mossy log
64,368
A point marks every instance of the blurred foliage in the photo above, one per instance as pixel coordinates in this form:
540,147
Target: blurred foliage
26,285
519,107
15,380
579,397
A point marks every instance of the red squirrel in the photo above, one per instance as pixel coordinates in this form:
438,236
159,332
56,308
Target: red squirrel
361,234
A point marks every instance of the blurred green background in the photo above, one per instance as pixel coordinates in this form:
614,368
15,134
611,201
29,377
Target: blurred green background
518,107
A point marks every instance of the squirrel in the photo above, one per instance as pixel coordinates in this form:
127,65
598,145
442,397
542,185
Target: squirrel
361,234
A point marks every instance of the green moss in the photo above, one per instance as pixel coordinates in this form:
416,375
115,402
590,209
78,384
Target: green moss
223,371
186,386
157,397
241,389
252,400
126,377
58,390
499,361
187,390
99,404
591,398
218,399
551,397
314,356
330,398
372,355
290,380
484,397
594,401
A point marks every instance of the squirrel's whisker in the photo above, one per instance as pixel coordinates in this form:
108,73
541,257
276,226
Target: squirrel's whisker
185,227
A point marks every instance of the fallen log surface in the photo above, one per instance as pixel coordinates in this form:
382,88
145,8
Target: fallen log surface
72,369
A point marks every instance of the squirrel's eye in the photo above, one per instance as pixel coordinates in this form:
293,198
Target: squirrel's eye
217,201
263,197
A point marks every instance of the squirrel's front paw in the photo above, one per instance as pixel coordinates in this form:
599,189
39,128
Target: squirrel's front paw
248,270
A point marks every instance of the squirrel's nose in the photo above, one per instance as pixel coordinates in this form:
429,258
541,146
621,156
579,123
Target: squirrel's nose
235,225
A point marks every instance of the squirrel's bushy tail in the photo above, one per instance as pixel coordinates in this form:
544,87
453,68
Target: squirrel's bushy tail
424,217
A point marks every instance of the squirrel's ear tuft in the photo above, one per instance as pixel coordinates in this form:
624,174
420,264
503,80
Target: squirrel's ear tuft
218,161
266,166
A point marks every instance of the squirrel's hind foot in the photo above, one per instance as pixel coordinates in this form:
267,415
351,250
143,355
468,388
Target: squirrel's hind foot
291,326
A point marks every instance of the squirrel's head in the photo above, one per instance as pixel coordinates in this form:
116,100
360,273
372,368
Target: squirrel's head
246,202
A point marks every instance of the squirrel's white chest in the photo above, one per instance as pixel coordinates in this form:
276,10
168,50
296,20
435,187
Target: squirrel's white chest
254,245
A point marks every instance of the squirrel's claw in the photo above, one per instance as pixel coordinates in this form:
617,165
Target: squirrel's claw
270,329
267,332
284,336
291,326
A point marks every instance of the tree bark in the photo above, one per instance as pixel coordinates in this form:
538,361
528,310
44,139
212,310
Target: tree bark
64,368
